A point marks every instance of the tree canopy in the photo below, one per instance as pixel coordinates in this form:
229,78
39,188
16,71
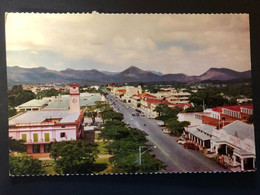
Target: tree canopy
17,145
72,157
24,165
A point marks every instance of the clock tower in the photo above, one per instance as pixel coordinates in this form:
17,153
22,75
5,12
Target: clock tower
74,97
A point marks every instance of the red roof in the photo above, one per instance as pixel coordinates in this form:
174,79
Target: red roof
234,108
121,90
74,85
182,105
146,95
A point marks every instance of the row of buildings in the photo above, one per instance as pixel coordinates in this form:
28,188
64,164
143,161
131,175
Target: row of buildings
146,102
224,131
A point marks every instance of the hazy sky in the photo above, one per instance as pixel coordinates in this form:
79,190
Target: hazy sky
169,43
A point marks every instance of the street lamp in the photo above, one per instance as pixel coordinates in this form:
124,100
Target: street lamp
141,153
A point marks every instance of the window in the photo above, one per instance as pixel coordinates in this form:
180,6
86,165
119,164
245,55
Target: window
46,147
63,126
46,137
36,147
24,137
62,134
35,137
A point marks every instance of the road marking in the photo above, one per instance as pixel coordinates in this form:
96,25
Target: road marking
167,155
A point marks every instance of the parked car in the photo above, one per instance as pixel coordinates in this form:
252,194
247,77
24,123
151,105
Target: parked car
181,141
167,131
189,145
137,114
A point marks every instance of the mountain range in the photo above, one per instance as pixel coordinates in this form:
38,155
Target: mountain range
16,74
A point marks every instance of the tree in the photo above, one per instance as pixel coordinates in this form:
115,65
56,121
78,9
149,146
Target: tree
24,96
24,165
91,112
74,157
11,111
165,112
112,115
102,107
250,119
175,127
47,93
16,89
17,145
195,109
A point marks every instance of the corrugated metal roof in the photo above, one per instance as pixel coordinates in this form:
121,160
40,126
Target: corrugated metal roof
207,128
39,116
199,135
240,130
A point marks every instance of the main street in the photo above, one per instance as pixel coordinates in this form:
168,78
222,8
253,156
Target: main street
167,149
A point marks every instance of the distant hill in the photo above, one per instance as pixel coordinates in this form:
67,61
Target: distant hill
17,74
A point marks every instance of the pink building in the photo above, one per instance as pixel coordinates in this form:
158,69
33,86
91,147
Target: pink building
39,128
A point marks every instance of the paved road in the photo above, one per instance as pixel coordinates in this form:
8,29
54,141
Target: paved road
167,149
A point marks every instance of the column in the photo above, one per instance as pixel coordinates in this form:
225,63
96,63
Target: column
29,149
203,143
242,164
234,161
253,163
217,148
211,146
41,148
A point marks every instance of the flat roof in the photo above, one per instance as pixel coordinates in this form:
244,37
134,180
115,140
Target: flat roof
63,102
34,103
39,116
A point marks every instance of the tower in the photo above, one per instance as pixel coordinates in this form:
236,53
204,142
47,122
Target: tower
74,97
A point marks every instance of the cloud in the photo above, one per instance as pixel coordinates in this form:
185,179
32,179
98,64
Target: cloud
169,43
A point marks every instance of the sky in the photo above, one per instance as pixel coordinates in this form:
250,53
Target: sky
167,43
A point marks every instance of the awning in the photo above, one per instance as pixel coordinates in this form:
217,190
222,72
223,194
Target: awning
200,135
243,153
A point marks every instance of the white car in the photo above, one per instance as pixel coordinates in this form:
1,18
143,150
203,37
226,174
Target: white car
166,131
181,141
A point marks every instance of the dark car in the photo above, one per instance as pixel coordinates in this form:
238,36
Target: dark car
189,145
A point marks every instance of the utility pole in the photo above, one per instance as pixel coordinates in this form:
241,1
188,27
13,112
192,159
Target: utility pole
141,153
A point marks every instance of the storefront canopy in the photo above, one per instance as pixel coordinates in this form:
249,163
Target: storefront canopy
199,135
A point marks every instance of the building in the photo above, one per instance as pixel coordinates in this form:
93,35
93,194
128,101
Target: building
178,97
63,102
235,141
32,105
224,115
42,127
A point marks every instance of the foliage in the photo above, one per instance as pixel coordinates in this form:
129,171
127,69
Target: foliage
73,157
17,145
112,115
166,113
176,127
16,89
11,111
91,112
250,119
195,109
124,143
24,165
102,107
47,93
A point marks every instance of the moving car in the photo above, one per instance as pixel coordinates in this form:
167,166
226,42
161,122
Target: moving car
165,130
189,145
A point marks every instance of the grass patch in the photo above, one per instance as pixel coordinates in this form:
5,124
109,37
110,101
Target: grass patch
48,167
101,148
